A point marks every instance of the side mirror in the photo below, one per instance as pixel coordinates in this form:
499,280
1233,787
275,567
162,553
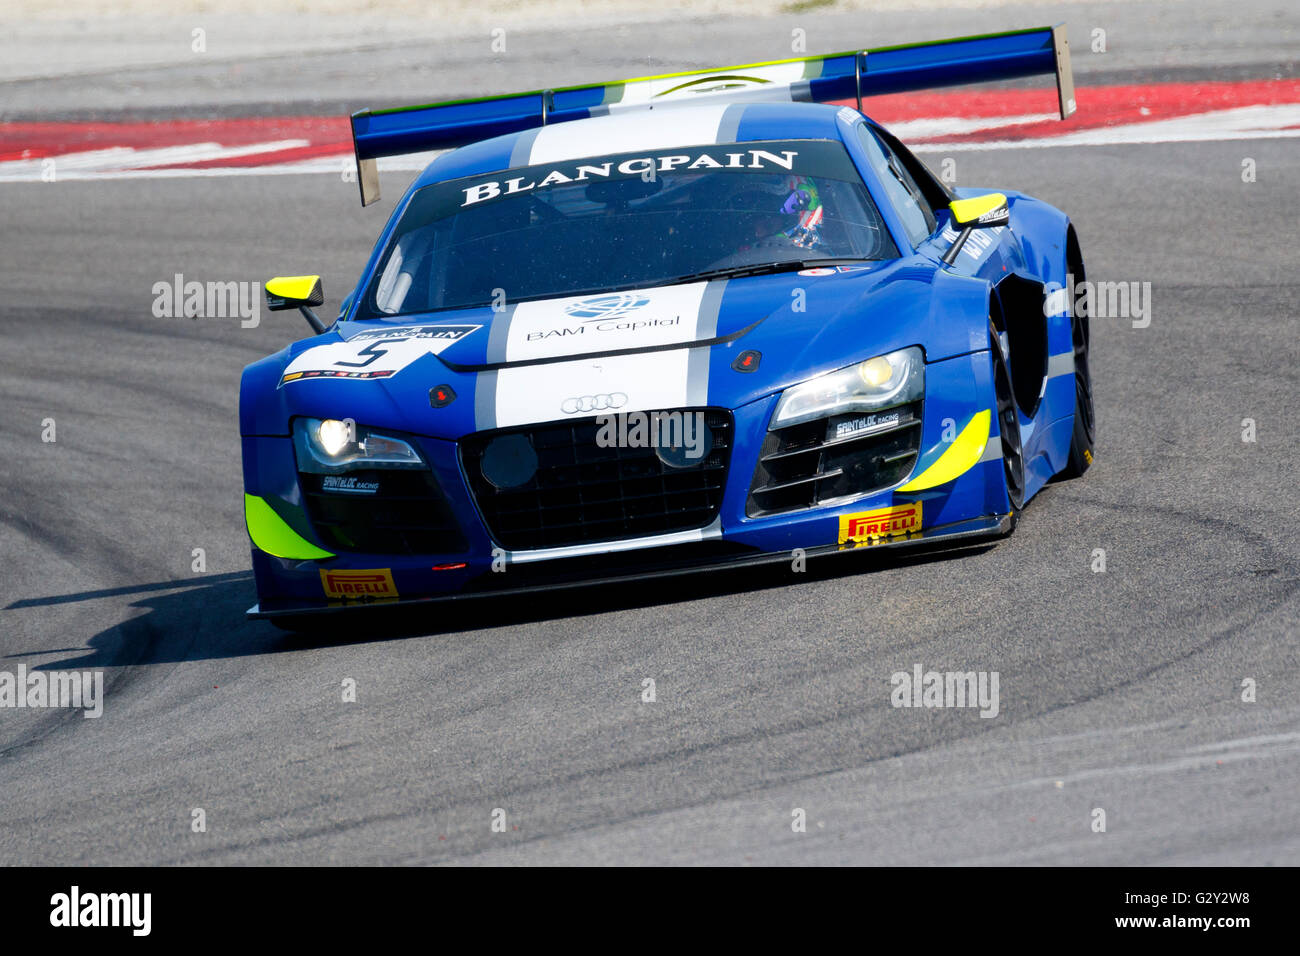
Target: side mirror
981,212
296,292
978,212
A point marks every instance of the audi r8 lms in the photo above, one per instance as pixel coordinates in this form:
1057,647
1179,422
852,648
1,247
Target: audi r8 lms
704,320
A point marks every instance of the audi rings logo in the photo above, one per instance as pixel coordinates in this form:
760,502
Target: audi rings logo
592,403
606,306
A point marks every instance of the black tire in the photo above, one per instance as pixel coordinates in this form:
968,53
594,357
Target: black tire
1013,452
1081,442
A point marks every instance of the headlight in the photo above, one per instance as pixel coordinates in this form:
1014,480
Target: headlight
879,382
332,436
332,445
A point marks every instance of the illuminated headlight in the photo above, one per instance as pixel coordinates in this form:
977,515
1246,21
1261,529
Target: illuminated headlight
332,445
879,382
333,436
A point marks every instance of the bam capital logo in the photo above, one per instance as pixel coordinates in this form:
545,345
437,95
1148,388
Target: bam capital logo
612,306
610,313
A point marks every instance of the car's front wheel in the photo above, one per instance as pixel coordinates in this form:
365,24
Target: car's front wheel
1084,421
1013,457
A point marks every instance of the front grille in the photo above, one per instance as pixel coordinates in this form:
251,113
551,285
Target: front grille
582,493
816,462
384,511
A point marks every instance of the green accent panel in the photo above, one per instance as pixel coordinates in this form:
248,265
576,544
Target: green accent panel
270,533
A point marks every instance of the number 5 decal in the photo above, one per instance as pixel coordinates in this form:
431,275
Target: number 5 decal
373,350
376,355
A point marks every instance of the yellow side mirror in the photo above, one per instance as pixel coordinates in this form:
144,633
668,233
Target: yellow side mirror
981,212
296,292
291,292
978,212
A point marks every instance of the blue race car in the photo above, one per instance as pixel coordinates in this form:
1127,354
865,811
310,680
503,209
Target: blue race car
704,320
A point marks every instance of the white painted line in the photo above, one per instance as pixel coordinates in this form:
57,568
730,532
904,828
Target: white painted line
1246,122
127,161
919,129
120,159
1241,123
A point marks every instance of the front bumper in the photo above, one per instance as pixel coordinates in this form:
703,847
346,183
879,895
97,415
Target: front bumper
655,566
973,505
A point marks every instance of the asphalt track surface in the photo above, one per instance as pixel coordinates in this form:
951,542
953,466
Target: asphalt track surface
1118,690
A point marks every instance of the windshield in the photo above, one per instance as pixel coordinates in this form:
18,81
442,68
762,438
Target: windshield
624,221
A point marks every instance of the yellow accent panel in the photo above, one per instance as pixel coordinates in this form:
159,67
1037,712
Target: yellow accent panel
961,456
292,287
966,211
272,535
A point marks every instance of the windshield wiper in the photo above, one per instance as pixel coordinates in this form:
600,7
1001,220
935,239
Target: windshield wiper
764,268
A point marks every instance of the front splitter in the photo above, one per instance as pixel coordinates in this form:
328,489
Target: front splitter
990,526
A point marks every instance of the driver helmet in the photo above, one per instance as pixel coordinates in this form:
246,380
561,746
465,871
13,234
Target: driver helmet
804,200
789,210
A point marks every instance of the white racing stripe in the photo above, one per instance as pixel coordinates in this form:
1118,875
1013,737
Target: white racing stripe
993,450
604,323
771,82
587,325
625,383
1060,364
627,133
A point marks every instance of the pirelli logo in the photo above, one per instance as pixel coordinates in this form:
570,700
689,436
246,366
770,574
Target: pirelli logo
867,527
359,584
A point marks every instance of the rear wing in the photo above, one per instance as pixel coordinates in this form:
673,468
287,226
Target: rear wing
818,79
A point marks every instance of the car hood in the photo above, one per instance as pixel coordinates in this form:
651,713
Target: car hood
658,348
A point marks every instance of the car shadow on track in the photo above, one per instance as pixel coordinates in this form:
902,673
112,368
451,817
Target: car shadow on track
205,619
